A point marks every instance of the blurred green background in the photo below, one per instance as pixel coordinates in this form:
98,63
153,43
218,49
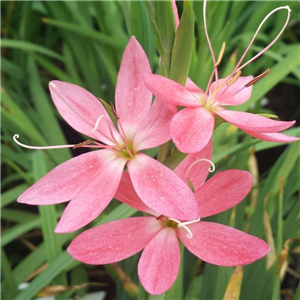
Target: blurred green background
82,42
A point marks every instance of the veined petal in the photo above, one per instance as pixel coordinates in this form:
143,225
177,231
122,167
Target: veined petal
198,172
80,109
223,191
154,130
273,137
159,264
253,123
222,245
114,241
191,129
92,199
161,189
133,99
65,181
234,94
169,91
127,194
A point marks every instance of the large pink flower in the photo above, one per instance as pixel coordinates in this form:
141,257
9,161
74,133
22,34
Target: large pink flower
91,180
192,127
158,235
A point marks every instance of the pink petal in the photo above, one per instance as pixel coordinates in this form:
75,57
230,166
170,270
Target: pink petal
274,137
65,181
169,91
191,129
127,194
192,87
235,94
159,264
198,172
133,99
222,245
161,189
114,241
223,191
80,109
253,123
92,199
175,11
154,130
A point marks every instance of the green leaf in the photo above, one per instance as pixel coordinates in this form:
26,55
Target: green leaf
27,46
12,194
183,45
278,72
10,287
63,261
87,32
48,217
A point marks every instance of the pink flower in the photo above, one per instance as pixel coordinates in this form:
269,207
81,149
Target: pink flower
192,127
90,180
158,235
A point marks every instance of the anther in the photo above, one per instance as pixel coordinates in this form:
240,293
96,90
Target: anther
234,78
87,142
220,54
114,111
257,78
124,147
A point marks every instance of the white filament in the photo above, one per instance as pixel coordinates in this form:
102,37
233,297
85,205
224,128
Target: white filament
97,123
16,136
211,169
237,68
184,225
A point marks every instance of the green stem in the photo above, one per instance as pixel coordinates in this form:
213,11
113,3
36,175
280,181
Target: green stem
143,295
176,291
157,297
164,151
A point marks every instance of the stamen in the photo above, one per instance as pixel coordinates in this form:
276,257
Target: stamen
215,70
220,55
112,137
124,147
114,111
184,225
257,78
211,169
16,136
234,78
87,142
121,131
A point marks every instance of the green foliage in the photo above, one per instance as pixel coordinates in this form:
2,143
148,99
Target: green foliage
82,43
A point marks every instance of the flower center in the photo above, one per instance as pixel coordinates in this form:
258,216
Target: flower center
124,148
173,223
184,225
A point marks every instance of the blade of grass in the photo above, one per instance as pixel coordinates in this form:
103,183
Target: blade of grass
27,46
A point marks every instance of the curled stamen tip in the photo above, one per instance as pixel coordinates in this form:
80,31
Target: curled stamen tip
53,85
15,137
288,8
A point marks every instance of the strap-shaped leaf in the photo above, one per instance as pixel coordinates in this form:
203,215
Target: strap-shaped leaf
183,45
